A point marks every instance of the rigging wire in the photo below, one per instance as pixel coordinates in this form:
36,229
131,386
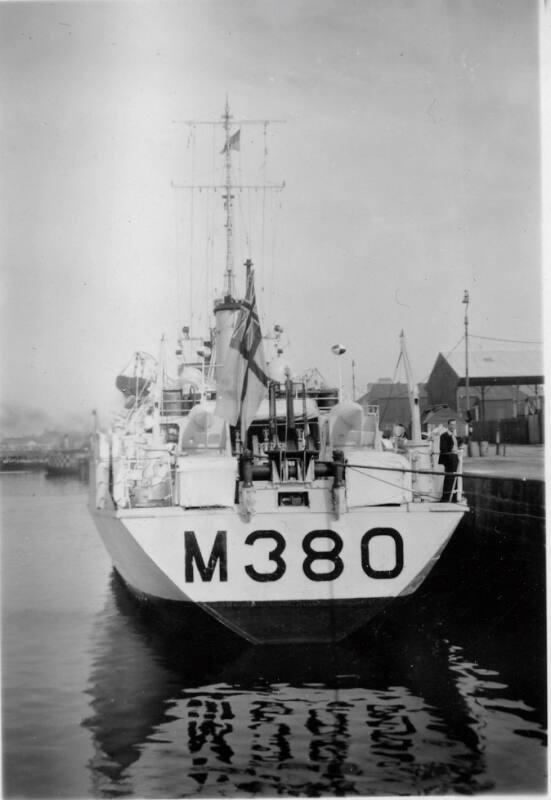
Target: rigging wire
205,273
358,469
448,354
263,229
488,510
269,272
277,227
415,492
264,172
244,222
211,222
496,339
179,292
240,221
191,226
488,338
249,214
462,339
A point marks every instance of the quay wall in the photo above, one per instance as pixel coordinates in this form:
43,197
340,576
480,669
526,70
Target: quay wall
498,554
489,585
519,501
500,548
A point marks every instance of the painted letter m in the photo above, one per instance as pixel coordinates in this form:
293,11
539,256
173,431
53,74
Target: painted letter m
218,555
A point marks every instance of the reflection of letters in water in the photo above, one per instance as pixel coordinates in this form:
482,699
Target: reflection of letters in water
330,735
273,726
382,556
270,741
391,730
398,715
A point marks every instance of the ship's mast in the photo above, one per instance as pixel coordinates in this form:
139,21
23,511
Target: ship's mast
412,392
228,198
228,187
227,307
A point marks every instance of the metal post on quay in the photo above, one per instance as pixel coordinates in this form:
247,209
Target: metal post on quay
467,398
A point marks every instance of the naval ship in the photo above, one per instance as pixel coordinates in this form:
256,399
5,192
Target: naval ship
266,500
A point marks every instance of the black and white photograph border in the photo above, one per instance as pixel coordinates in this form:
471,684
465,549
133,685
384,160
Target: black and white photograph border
273,460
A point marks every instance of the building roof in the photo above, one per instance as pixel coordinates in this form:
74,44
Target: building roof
505,367
393,401
313,379
440,414
498,392
386,390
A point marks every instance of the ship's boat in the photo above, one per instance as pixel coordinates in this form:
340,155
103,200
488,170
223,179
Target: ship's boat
264,499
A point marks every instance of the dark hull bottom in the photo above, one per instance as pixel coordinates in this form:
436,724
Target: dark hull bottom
287,622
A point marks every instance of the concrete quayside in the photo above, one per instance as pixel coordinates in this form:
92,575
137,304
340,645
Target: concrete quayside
521,462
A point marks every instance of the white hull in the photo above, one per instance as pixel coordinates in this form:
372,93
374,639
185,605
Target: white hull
243,573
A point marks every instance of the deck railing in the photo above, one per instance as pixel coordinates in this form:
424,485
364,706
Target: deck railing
144,481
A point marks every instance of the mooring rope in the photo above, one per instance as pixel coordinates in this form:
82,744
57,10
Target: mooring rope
359,467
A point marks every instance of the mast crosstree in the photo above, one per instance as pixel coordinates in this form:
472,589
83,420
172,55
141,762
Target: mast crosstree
232,132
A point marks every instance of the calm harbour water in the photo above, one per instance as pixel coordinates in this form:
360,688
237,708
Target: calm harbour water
97,702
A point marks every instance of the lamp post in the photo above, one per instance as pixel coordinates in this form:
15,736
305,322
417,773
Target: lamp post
467,398
339,350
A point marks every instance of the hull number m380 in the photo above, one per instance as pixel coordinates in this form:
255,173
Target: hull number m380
322,556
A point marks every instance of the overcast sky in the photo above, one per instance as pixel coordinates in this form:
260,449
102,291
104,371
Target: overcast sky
410,155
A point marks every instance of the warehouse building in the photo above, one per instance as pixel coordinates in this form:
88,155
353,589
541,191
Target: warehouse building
504,385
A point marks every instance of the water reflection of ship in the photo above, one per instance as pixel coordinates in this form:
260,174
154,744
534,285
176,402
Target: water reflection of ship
136,676
394,715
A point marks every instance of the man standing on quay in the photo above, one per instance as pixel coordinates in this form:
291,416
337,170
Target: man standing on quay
449,457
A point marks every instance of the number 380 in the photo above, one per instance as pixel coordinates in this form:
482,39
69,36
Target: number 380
314,555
